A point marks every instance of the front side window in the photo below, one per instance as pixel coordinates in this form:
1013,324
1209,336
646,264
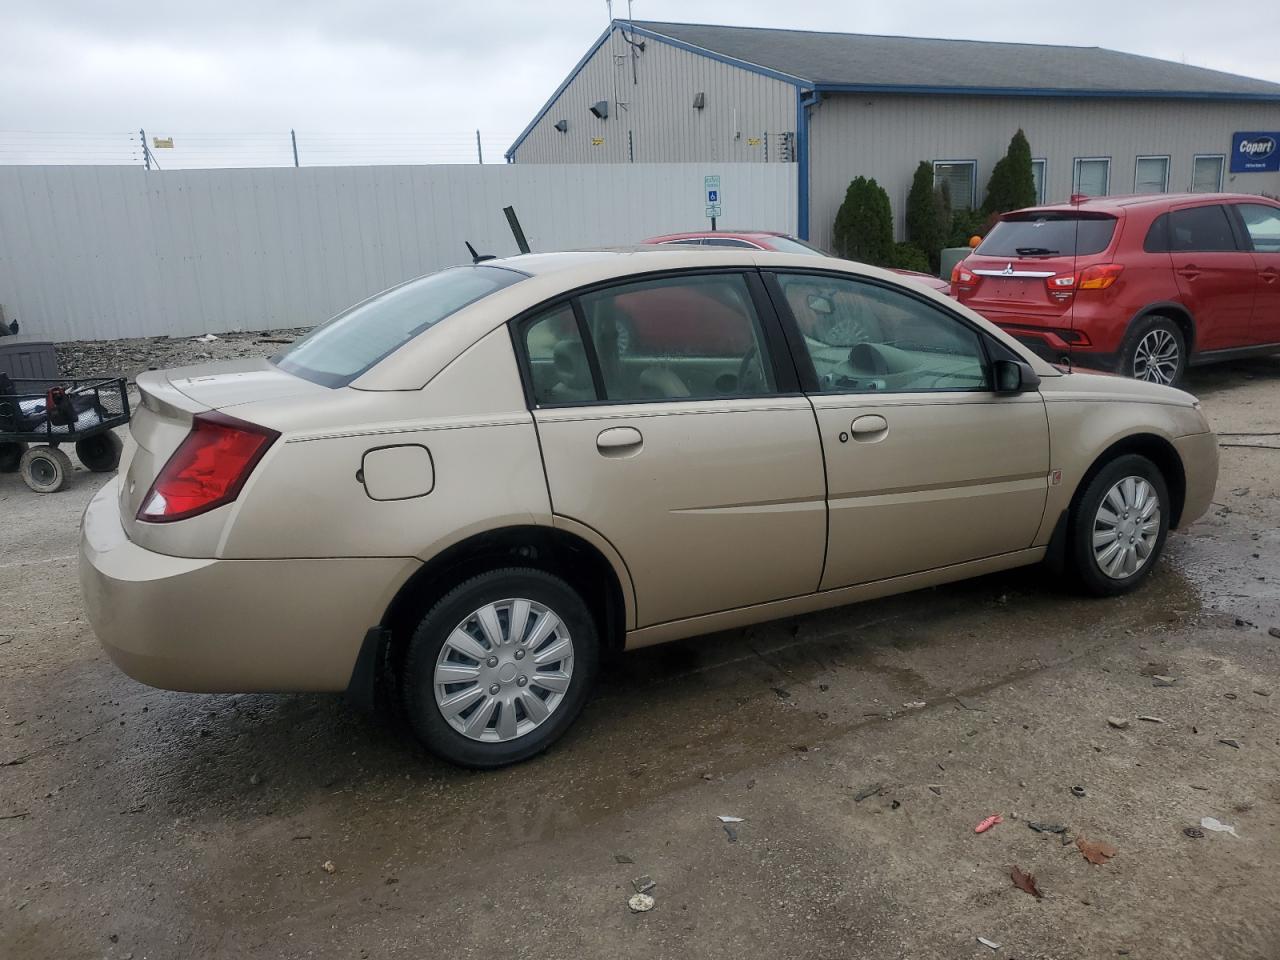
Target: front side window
338,351
957,177
865,338
1201,229
1263,225
1206,174
1092,176
728,242
680,337
1151,175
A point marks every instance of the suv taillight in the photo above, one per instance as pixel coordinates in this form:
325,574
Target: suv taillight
208,469
962,279
1098,277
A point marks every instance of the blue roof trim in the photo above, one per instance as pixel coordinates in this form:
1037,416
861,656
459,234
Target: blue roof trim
559,90
1044,92
718,57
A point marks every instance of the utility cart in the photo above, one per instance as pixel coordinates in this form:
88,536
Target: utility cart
38,416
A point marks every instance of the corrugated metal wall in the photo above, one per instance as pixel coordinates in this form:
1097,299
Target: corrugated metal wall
739,107
886,136
112,252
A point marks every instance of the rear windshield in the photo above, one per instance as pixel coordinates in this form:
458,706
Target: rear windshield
335,353
1048,235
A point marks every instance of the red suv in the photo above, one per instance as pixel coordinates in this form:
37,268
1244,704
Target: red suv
1144,285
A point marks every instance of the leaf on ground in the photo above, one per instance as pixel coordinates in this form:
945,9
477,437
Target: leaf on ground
1024,881
1096,853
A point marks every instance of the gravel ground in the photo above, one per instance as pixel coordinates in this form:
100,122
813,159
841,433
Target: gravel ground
860,746
87,358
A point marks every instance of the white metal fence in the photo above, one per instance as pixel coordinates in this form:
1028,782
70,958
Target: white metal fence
111,252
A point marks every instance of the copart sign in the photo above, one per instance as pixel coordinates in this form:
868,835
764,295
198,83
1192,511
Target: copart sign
1255,152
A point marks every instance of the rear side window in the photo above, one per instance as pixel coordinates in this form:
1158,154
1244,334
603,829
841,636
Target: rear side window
335,353
1201,229
727,242
1263,226
1048,235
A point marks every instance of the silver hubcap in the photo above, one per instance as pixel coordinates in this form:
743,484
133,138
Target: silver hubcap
503,670
1156,358
1126,527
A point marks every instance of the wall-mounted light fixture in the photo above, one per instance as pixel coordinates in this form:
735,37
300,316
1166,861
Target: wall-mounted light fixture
699,100
562,125
600,109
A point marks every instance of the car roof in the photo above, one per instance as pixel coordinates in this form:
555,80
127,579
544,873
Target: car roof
732,234
1123,201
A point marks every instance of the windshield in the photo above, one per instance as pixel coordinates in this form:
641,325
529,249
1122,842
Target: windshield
1048,235
792,245
336,352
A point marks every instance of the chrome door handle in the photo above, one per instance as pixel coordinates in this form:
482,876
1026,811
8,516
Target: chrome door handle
1189,272
869,428
619,441
1269,275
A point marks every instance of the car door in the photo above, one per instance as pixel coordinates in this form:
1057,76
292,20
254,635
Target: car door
1261,224
698,460
926,465
1216,277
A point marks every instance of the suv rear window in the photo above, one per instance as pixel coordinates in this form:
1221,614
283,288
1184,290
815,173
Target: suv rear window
336,352
1048,235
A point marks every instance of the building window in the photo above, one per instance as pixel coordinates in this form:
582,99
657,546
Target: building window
1092,176
958,176
1038,168
1151,175
1206,173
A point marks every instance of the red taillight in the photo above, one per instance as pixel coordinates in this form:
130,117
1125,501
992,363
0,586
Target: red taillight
207,470
1100,276
962,278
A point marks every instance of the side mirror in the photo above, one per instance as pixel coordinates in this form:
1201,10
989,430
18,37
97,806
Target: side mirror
1014,376
820,304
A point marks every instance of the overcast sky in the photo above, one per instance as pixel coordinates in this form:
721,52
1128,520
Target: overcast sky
431,72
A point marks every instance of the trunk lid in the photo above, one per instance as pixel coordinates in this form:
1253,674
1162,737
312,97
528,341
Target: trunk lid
169,399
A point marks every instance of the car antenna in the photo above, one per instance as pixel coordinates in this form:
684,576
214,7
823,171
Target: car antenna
478,257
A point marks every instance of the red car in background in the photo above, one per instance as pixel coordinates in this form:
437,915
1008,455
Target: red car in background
781,242
1144,285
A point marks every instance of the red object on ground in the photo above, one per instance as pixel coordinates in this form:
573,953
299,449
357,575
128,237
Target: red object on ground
988,823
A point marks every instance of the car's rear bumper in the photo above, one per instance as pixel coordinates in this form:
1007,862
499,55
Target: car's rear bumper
228,625
1199,453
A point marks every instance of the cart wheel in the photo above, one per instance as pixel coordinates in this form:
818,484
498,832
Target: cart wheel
45,469
101,452
11,455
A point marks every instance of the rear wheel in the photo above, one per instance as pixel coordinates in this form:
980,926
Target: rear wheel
1118,527
500,667
1155,350
101,452
11,455
45,469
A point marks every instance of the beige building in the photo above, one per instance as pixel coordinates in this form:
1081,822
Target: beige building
844,105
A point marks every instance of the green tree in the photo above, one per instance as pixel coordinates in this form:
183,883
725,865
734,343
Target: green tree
907,256
864,224
928,214
1012,185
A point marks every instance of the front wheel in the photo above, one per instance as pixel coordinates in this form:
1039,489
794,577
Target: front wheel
1155,350
1118,527
500,667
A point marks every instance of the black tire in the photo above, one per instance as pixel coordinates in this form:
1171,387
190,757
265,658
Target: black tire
1159,333
45,469
1084,515
11,455
101,452
455,610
